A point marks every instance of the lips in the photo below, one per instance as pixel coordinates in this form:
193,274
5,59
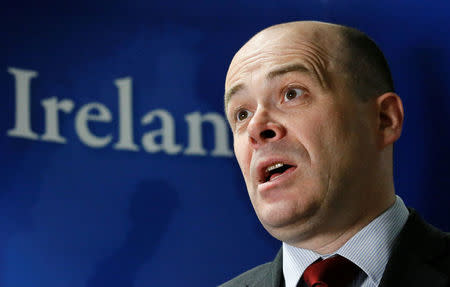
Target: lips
272,169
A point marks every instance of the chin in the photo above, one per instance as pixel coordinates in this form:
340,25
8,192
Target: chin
285,216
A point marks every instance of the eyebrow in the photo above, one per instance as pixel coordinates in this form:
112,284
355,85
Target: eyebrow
231,92
296,67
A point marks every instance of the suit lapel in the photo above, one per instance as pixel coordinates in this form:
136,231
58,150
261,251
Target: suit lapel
273,278
415,249
410,272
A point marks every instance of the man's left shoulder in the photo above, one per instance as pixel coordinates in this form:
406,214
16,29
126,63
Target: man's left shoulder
439,247
420,256
427,241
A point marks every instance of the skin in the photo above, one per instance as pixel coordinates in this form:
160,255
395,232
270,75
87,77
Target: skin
288,99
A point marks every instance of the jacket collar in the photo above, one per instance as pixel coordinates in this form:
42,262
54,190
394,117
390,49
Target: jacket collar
274,278
417,246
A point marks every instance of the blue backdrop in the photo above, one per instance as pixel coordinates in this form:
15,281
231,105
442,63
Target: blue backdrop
116,165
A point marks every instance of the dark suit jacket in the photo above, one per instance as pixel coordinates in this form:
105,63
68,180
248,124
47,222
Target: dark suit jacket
420,257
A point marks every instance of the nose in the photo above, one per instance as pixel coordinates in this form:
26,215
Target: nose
262,129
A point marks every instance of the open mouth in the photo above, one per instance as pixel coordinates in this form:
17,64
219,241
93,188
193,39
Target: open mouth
275,170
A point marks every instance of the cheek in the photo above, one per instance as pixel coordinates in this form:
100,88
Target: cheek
321,133
336,136
316,133
242,153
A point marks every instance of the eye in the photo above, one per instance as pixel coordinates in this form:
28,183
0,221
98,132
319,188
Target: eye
292,94
242,115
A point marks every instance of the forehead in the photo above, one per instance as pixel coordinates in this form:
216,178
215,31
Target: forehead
274,49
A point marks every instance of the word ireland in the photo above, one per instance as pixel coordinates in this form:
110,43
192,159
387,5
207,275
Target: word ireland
152,141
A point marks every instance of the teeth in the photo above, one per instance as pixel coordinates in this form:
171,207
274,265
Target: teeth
274,166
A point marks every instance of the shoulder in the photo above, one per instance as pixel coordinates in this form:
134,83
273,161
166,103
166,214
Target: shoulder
421,254
425,240
268,274
439,244
251,276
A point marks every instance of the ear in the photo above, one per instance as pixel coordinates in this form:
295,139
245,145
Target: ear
390,118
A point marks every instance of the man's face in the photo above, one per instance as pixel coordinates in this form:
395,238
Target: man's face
301,138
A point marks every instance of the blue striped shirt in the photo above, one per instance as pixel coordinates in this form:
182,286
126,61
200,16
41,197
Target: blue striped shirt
370,249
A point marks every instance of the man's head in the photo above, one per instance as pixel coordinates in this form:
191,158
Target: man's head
314,117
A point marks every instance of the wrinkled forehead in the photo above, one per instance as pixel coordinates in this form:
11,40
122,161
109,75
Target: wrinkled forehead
312,45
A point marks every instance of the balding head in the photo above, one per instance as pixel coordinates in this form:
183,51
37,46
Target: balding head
344,50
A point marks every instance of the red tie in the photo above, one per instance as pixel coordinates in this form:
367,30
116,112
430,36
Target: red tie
335,271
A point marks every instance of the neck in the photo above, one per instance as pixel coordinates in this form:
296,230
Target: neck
330,241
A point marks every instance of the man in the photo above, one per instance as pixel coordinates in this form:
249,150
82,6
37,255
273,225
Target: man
314,117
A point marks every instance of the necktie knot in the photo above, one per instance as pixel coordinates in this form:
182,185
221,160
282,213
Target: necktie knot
336,271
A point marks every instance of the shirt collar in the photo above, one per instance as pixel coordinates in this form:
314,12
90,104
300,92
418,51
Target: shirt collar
370,248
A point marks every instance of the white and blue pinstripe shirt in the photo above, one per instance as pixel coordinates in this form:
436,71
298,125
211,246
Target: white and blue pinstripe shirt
370,249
